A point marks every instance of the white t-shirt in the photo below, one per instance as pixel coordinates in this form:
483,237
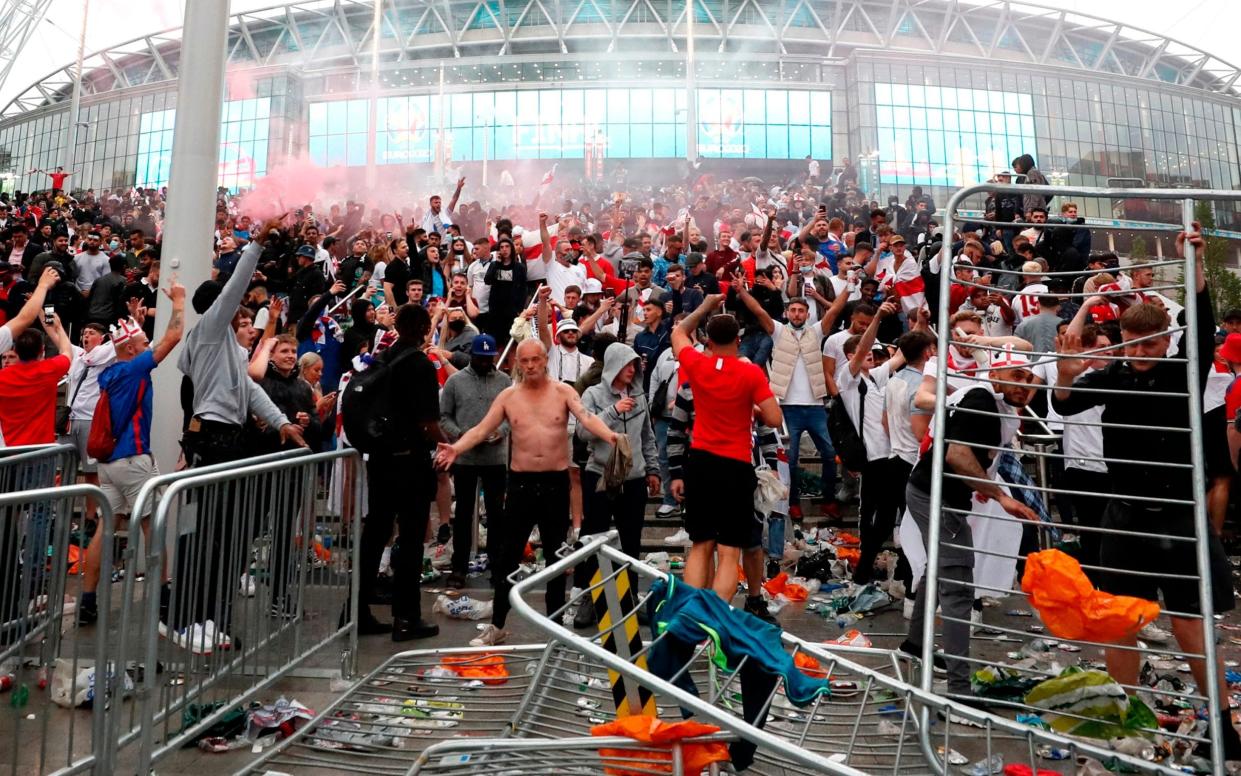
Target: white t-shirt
90,365
842,286
834,346
899,403
1216,393
6,339
476,273
567,366
878,446
1025,304
800,392
560,277
1083,444
960,372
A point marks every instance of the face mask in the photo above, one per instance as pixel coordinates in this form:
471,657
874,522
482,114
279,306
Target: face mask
114,244
457,326
806,269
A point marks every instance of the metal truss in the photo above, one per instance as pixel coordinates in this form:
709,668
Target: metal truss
318,34
18,19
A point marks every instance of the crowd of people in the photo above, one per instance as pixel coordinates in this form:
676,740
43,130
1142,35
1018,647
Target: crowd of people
679,328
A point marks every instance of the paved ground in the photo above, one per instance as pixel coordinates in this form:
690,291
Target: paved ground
885,629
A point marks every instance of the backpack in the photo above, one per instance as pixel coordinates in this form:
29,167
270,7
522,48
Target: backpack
845,438
659,400
368,409
100,443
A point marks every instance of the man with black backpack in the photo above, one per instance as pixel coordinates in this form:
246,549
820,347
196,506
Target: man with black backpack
391,412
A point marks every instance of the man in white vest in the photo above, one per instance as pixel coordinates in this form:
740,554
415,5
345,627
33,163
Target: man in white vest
798,381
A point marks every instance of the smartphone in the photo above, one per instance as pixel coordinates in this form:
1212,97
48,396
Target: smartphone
48,312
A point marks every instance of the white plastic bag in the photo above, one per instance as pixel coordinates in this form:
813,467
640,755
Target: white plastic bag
462,607
72,690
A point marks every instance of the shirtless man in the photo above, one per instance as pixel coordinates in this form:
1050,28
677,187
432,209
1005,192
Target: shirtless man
537,410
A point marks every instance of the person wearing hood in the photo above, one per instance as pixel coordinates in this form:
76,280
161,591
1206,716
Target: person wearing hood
620,402
361,332
1024,165
464,401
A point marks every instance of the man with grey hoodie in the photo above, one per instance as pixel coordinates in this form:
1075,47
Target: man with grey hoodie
619,401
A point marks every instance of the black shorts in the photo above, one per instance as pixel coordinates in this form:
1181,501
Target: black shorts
1159,556
1215,444
719,501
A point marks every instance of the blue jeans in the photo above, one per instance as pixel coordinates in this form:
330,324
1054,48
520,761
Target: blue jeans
812,419
756,345
661,444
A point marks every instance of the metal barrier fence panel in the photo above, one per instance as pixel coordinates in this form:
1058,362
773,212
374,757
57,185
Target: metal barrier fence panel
246,547
1180,529
876,720
56,684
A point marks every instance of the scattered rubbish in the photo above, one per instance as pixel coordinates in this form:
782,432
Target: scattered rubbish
1019,613
463,607
1049,752
1033,720
992,765
954,757
72,689
887,727
852,638
1072,608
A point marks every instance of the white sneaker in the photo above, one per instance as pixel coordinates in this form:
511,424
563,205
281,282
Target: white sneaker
489,637
218,637
1152,632
248,588
908,611
194,638
666,510
680,537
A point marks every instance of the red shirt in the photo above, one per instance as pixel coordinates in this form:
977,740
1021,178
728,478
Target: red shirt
1232,399
28,411
725,392
58,179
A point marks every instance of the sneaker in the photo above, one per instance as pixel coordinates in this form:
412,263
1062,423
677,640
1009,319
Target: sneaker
680,537
248,587
283,610
908,611
950,715
88,614
584,617
444,534
1152,632
489,637
795,512
756,606
667,511
194,638
831,510
221,639
938,664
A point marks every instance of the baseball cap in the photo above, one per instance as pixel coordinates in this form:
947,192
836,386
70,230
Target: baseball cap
592,286
694,259
483,345
306,251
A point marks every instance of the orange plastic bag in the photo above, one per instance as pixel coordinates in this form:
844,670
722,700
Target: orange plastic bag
780,584
846,538
809,665
490,668
1070,606
652,730
850,555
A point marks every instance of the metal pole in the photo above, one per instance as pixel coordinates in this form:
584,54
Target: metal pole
1202,529
691,92
70,155
372,171
191,200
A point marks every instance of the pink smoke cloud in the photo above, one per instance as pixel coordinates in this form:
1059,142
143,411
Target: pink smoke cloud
290,185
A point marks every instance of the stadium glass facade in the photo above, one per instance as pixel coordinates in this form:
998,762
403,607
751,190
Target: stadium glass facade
766,93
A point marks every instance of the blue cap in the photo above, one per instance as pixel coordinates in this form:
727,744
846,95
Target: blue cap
306,250
484,345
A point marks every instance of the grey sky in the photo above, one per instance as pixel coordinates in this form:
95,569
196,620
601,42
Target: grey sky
1207,24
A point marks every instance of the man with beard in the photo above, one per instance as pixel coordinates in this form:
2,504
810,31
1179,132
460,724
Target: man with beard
982,419
537,409
466,398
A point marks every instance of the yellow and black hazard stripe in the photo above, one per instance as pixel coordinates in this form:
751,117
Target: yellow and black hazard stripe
630,697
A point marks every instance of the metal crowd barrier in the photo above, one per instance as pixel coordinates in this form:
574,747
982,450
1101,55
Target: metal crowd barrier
237,544
1039,654
56,682
28,467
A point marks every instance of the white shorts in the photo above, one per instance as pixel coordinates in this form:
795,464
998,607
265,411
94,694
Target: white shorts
120,481
79,432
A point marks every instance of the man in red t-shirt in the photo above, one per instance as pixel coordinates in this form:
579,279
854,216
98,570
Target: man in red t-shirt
719,476
28,412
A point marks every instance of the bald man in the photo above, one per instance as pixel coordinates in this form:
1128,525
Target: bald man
537,410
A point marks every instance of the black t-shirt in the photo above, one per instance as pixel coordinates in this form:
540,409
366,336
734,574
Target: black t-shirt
415,381
398,274
968,428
